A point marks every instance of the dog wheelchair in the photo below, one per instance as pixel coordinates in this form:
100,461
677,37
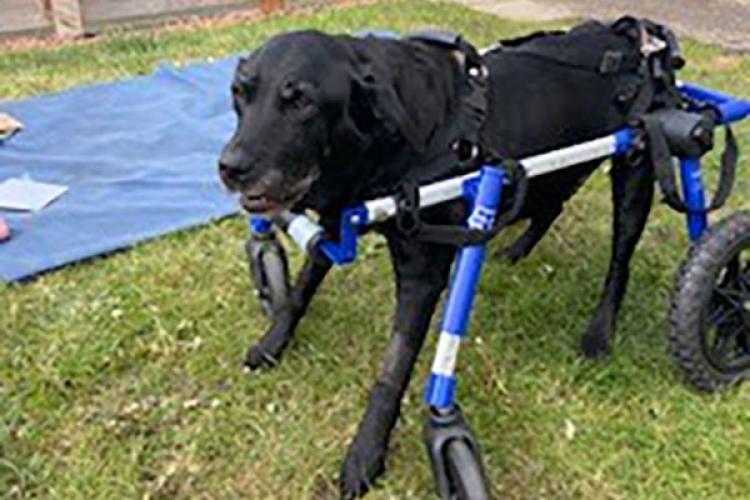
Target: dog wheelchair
709,315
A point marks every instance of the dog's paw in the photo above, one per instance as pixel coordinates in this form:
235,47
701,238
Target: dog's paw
516,251
594,346
257,357
362,466
513,254
595,343
267,351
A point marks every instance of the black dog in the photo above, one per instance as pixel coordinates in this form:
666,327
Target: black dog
325,121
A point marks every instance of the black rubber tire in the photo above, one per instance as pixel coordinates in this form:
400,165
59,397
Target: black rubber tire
466,472
271,279
691,298
278,286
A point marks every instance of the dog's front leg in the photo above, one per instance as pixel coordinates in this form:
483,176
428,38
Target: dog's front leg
422,272
268,350
632,193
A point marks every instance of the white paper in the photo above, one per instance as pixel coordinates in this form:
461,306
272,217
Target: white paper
23,194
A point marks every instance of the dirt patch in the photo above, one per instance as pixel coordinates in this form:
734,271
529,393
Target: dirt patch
523,10
722,22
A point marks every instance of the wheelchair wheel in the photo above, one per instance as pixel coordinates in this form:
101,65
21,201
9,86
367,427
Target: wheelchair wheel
709,317
465,471
269,273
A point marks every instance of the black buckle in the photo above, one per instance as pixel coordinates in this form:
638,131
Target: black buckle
611,62
407,209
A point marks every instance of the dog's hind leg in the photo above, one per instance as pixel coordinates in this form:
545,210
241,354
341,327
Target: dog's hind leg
268,350
540,224
422,272
632,194
544,204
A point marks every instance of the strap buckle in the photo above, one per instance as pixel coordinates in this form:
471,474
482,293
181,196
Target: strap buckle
408,221
611,62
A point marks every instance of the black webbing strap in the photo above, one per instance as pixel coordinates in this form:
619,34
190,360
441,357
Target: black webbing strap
728,169
645,95
410,224
661,159
656,69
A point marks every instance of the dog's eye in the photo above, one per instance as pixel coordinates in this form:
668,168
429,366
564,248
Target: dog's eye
295,96
243,87
290,92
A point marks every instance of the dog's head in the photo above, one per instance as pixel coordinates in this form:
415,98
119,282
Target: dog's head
305,103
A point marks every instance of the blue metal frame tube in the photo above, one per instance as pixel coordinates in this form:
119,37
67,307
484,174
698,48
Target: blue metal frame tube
731,108
441,386
694,195
260,225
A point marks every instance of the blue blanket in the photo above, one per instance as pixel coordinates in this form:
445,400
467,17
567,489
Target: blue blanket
139,156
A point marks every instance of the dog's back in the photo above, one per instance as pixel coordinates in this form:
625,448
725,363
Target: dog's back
554,89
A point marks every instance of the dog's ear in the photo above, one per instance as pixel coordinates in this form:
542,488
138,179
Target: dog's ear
373,103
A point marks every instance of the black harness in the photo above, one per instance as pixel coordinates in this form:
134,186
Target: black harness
473,91
467,149
678,127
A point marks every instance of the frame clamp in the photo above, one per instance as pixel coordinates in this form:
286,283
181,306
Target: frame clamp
408,220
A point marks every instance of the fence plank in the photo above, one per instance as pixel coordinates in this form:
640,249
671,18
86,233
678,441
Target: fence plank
74,17
100,12
22,16
269,6
67,18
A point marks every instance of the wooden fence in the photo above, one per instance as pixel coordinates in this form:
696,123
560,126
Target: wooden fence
71,18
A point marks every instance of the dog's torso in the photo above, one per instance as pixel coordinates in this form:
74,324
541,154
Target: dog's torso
548,91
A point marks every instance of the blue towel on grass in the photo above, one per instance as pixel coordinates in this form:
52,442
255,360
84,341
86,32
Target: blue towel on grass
139,156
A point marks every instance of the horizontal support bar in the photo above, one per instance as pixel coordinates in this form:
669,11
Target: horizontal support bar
572,155
451,189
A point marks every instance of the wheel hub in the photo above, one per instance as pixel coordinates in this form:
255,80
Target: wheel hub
727,329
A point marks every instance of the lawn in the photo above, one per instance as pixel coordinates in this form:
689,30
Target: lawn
121,377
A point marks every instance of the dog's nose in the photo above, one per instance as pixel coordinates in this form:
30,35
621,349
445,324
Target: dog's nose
232,165
232,171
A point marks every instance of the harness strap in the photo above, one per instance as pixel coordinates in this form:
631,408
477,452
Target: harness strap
409,223
645,96
728,169
661,159
657,65
451,41
472,92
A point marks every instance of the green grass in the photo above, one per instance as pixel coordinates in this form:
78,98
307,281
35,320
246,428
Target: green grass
121,377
